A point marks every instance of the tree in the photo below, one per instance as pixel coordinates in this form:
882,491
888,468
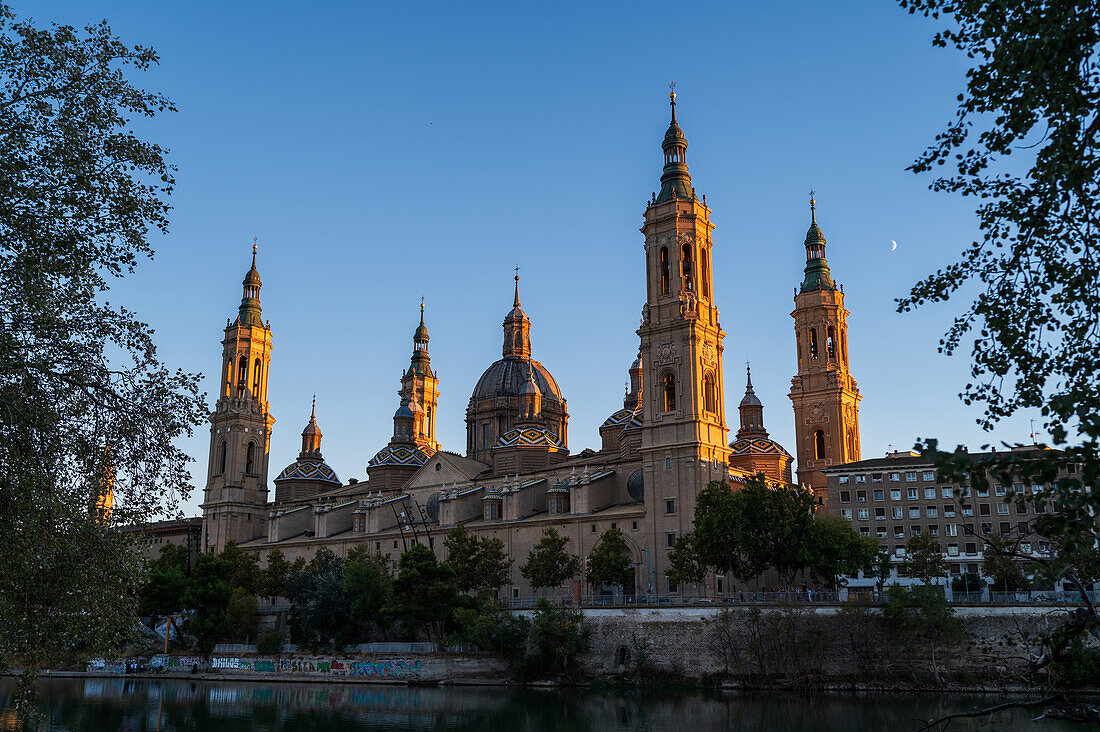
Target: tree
1005,573
882,566
86,407
244,569
165,582
836,550
425,593
275,576
480,563
923,559
1031,326
241,612
922,614
208,594
609,562
684,562
368,585
319,606
549,564
559,638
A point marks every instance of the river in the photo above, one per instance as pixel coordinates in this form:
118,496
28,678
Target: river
181,704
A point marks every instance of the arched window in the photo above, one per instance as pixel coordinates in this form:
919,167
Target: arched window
228,377
688,267
813,344
708,393
664,270
669,383
250,459
830,342
819,445
704,275
428,421
242,376
256,379
221,459
798,347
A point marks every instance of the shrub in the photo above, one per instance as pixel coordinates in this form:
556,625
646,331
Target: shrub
271,643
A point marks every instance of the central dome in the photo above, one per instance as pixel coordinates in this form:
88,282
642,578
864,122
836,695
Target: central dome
507,377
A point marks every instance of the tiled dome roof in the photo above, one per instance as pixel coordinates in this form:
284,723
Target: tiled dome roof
529,437
306,469
400,455
756,446
508,376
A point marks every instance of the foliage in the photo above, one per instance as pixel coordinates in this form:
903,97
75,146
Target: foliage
425,593
791,642
549,564
836,550
1005,573
559,638
480,563
1079,667
609,562
165,582
368,584
86,407
969,582
241,613
1032,90
208,594
923,559
495,631
922,615
319,606
271,643
275,576
760,527
244,569
881,566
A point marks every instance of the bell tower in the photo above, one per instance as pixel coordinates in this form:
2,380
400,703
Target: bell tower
235,500
684,431
421,385
824,394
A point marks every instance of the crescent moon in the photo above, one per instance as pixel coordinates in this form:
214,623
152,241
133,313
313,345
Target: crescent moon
894,245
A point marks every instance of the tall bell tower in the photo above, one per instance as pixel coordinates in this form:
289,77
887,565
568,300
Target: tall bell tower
235,500
824,394
684,434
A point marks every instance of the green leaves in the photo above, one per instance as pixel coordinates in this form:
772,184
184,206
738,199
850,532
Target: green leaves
479,563
609,562
549,564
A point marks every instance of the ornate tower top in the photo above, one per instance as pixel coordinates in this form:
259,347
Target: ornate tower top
675,179
517,329
817,269
249,313
311,436
420,363
752,411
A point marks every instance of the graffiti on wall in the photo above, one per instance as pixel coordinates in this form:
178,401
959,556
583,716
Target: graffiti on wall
387,668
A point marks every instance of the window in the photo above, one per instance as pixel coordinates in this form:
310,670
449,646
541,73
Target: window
633,525
914,512
688,267
1023,527
895,494
250,459
1005,527
486,437
1025,546
669,381
971,547
864,530
704,277
915,530
664,270
880,514
947,492
983,509
861,479
846,513
899,551
987,527
819,445
895,512
813,344
668,463
934,530
709,396
861,496
928,476
880,532
999,490
1035,488
951,529
221,459
242,376
912,494
1071,469
256,379
899,532
911,477
967,510
670,507
862,514
876,477
948,510
842,480
1021,508
228,377
895,477
670,539
1002,509
932,512
952,550
492,508
878,494
830,342
593,528
377,546
1040,508
845,496
395,543
930,493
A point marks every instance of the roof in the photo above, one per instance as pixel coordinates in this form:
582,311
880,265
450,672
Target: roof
756,446
508,376
400,455
904,460
530,437
309,469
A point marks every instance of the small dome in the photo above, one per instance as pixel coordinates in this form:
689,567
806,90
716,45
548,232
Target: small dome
751,400
622,418
508,376
400,455
403,411
529,437
312,428
306,469
814,235
421,333
756,446
674,136
253,277
635,486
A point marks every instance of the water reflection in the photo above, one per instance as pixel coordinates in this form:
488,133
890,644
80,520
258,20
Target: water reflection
177,705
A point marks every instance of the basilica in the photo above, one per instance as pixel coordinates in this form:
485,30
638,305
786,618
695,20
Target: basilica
517,476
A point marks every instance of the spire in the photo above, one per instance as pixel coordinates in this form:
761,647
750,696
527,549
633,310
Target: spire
517,329
249,312
311,435
817,268
532,396
751,410
675,179
420,363
633,398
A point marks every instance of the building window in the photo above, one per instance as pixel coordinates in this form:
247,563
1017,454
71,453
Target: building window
912,494
895,512
221,458
999,490
929,476
895,477
910,477
934,530
983,509
813,344
861,496
633,525
709,396
704,276
242,376
842,480
492,509
952,550
932,512
862,513
880,514
819,445
229,377
845,496
930,493
846,513
876,477
880,532
947,492
1002,509
967,510
861,479
664,270
688,266
830,342
895,494
899,532
670,539
669,390
878,494
670,507
256,379
668,463
948,510
864,530
486,437
250,459
593,528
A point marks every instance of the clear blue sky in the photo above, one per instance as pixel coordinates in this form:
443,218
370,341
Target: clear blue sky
384,151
